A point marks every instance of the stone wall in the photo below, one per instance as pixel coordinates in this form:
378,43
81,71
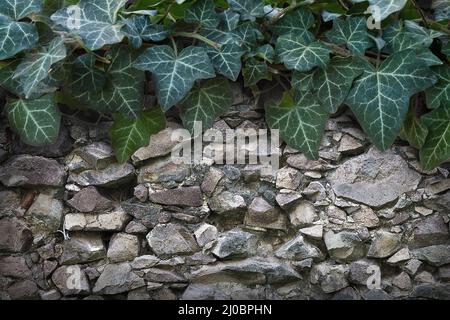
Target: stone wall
76,225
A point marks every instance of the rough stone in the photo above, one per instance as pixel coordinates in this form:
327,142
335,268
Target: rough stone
114,220
400,256
314,232
331,278
117,278
164,276
71,280
402,281
10,203
437,255
344,245
301,162
15,267
123,247
299,249
227,203
44,216
234,243
144,262
141,192
90,200
431,231
223,291
98,154
336,215
288,178
366,217
349,145
82,248
160,144
171,239
384,244
211,180
15,236
303,214
23,290
205,234
109,177
184,196
412,266
375,178
287,198
360,271
134,227
31,171
262,214
163,170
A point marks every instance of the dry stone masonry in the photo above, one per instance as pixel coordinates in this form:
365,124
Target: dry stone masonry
74,224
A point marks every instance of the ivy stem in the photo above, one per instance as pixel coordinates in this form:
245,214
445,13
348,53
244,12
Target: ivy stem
294,5
174,45
438,26
99,58
422,15
198,37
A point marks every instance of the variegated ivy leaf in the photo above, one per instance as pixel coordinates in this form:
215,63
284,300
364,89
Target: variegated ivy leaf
19,9
247,35
175,73
405,35
124,89
95,21
15,37
205,103
439,94
248,9
226,60
229,20
297,22
441,9
202,12
36,66
86,76
333,83
139,28
413,130
301,125
6,77
436,148
380,97
128,135
254,71
266,52
303,81
219,36
446,49
36,121
381,9
352,32
302,53
427,57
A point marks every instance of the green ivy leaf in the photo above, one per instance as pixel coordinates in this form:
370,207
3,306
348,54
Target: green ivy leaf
226,60
441,9
352,32
254,71
139,28
248,9
296,22
247,35
36,121
381,9
7,77
406,35
266,52
437,144
128,135
333,83
205,103
95,21
229,20
380,97
204,13
86,76
36,66
413,130
19,9
301,125
439,94
15,37
175,73
302,53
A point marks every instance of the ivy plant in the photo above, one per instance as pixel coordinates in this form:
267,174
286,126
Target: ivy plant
386,60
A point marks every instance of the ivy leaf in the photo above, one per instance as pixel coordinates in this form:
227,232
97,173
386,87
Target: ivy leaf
436,148
266,52
297,22
301,125
204,13
6,77
381,9
247,35
226,60
86,76
248,9
380,97
139,28
19,9
15,37
36,121
413,130
95,21
302,53
229,20
441,9
439,94
409,35
333,83
175,73
205,103
254,71
302,81
36,67
352,32
128,135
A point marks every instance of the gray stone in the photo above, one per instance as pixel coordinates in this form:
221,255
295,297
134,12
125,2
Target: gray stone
336,215
444,273
171,239
15,236
375,178
223,291
288,178
299,249
384,244
161,275
300,161
160,144
184,196
287,198
71,280
205,234
412,266
44,216
331,278
117,278
314,232
50,295
235,243
109,177
15,267
262,214
98,154
440,203
211,180
141,192
123,247
400,256
140,211
437,255
432,291
431,231
23,290
82,248
163,170
144,262
366,217
349,145
30,171
114,220
232,173
360,271
90,200
134,227
10,203
315,191
227,203
344,245
303,214
402,281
